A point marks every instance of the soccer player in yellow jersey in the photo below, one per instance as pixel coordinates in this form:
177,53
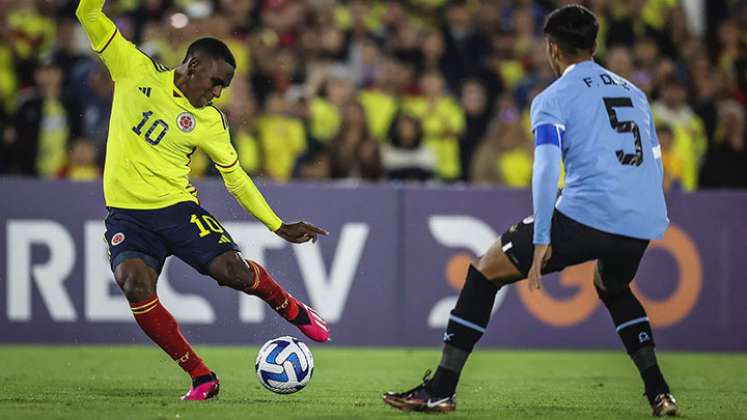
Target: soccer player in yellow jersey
159,118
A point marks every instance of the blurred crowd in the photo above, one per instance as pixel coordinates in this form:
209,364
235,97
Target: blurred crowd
418,90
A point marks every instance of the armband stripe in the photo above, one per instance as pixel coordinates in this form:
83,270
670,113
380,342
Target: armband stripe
548,134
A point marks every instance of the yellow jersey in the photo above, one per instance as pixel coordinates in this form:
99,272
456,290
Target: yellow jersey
154,130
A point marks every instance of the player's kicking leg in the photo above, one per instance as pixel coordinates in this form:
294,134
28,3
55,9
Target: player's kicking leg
232,270
198,239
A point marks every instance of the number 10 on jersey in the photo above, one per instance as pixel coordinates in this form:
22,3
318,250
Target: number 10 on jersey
157,129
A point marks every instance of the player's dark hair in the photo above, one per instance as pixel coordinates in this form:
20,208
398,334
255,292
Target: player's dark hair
214,48
574,28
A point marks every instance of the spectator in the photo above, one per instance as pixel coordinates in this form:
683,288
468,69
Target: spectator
281,136
314,166
325,119
505,158
66,56
474,101
43,123
673,163
381,101
146,12
31,33
432,49
689,132
96,106
726,162
242,124
620,61
443,123
307,69
81,162
465,46
276,73
405,156
354,153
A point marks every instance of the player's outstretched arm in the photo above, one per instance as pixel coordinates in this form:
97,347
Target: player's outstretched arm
240,185
97,26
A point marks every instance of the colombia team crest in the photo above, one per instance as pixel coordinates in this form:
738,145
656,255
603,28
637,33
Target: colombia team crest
186,122
118,238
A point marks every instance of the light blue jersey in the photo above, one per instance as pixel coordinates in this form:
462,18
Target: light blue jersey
604,129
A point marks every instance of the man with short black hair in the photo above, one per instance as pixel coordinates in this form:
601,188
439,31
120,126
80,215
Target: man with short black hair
159,118
601,127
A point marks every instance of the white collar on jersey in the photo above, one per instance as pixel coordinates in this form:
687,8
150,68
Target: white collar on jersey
573,66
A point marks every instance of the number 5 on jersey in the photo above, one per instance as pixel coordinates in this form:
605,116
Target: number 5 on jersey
625,127
158,126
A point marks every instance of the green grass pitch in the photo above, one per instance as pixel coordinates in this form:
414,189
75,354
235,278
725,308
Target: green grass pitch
139,382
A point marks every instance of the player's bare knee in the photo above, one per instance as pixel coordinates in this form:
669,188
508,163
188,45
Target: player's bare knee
496,267
484,266
230,270
135,281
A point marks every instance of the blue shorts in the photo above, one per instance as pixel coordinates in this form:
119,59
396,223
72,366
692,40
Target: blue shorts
185,230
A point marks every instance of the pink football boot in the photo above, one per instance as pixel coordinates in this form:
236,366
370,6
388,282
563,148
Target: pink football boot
311,323
203,388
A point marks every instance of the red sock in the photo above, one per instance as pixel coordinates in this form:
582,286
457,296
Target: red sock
267,289
162,328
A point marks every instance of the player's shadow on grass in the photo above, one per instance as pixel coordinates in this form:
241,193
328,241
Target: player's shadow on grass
149,393
265,400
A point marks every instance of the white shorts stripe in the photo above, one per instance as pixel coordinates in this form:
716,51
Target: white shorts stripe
466,323
631,322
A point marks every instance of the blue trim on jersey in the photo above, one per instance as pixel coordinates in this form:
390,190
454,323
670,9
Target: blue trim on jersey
548,134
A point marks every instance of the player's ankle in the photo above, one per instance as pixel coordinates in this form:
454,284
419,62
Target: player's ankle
443,384
301,317
200,370
654,382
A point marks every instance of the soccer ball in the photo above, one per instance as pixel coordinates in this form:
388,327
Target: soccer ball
284,365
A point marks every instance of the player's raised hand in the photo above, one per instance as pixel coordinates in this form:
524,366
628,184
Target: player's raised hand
300,232
542,254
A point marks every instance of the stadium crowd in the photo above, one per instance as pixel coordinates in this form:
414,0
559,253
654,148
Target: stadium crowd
379,90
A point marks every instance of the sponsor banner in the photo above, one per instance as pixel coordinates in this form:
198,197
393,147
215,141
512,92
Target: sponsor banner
691,282
388,274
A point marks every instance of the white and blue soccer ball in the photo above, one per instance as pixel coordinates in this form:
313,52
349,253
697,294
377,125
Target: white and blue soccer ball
284,365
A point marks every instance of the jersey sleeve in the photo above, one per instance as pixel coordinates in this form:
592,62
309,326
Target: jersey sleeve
218,146
545,176
545,110
120,56
656,148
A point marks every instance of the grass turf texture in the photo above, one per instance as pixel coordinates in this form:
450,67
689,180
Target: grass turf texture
139,382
